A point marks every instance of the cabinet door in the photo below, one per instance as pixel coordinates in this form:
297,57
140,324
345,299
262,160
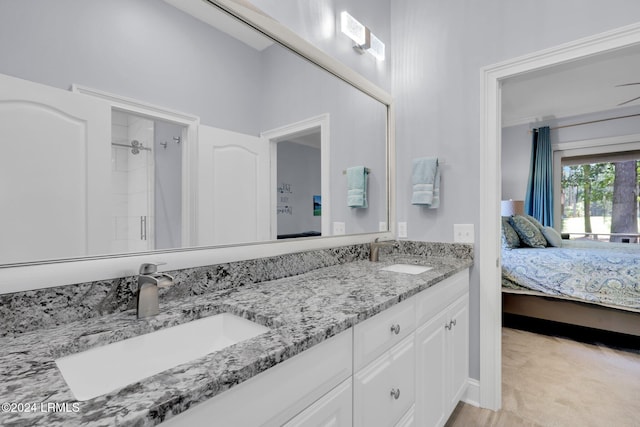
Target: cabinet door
384,390
458,357
431,361
332,410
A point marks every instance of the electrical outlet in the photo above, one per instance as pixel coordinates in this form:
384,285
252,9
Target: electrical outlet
463,233
338,228
382,226
402,230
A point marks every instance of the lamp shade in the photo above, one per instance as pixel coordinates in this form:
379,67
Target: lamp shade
511,207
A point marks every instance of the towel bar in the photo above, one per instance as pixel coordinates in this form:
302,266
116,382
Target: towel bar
367,170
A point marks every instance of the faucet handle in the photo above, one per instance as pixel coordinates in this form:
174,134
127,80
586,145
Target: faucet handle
150,267
164,280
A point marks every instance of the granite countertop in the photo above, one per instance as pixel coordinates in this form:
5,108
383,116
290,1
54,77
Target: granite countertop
300,311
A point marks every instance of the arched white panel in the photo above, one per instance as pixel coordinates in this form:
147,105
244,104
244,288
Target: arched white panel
61,209
233,188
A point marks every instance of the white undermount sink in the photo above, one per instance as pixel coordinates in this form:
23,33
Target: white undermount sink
406,268
99,370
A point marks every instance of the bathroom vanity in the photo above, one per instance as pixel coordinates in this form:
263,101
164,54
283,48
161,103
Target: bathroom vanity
350,342
406,366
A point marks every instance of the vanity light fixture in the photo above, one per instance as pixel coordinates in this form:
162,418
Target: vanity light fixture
377,48
364,39
352,28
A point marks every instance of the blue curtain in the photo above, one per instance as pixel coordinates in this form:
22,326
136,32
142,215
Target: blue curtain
539,200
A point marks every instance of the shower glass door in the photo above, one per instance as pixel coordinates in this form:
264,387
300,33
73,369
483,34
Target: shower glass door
132,182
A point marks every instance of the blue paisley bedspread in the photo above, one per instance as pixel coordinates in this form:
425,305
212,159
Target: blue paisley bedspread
600,273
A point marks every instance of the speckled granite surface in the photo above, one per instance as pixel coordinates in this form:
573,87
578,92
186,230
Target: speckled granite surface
43,308
301,311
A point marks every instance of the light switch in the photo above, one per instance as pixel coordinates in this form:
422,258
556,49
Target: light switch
382,226
463,233
402,230
338,228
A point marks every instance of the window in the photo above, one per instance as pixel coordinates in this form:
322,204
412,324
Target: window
600,196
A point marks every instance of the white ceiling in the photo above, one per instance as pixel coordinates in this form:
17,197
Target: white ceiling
578,87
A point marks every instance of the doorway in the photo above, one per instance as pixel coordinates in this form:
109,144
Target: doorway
180,133
299,209
490,189
146,183
299,203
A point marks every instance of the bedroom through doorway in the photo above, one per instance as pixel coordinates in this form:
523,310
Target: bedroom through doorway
493,78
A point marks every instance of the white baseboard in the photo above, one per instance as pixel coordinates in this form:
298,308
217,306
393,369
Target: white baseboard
472,396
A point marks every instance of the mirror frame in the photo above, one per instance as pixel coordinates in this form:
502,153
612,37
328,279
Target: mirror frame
43,274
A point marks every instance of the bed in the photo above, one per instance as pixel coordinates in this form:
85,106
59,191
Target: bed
585,283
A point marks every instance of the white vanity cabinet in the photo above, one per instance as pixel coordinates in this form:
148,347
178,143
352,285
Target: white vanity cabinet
406,366
442,351
418,350
384,360
384,390
334,409
277,395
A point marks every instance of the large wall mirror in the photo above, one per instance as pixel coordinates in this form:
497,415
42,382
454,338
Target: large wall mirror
138,126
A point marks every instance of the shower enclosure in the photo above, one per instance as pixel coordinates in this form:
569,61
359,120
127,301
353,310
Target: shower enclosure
146,169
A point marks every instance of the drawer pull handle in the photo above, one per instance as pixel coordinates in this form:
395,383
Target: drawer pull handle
395,328
395,393
454,322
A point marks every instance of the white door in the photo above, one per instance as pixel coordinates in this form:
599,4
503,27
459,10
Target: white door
233,187
54,173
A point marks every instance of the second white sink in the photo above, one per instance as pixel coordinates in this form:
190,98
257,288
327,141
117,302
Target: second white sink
100,370
406,268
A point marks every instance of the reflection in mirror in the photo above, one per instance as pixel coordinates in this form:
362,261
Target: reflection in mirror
298,169
167,138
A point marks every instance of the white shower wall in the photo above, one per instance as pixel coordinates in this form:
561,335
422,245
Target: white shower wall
131,184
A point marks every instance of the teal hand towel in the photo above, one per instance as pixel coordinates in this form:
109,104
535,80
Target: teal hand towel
357,187
425,178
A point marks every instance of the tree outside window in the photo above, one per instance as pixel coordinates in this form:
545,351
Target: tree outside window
600,200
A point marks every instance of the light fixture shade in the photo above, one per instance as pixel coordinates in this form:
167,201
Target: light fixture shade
352,28
512,207
377,48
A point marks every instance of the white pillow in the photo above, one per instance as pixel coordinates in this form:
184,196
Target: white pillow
553,237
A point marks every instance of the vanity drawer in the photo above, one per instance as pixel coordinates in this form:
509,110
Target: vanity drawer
432,301
381,332
385,389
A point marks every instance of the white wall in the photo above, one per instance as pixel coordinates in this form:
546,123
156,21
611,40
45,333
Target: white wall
439,48
516,142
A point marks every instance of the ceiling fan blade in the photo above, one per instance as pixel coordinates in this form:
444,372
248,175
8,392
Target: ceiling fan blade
631,100
628,84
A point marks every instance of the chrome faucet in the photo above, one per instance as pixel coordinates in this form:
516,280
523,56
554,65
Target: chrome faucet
149,281
374,249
